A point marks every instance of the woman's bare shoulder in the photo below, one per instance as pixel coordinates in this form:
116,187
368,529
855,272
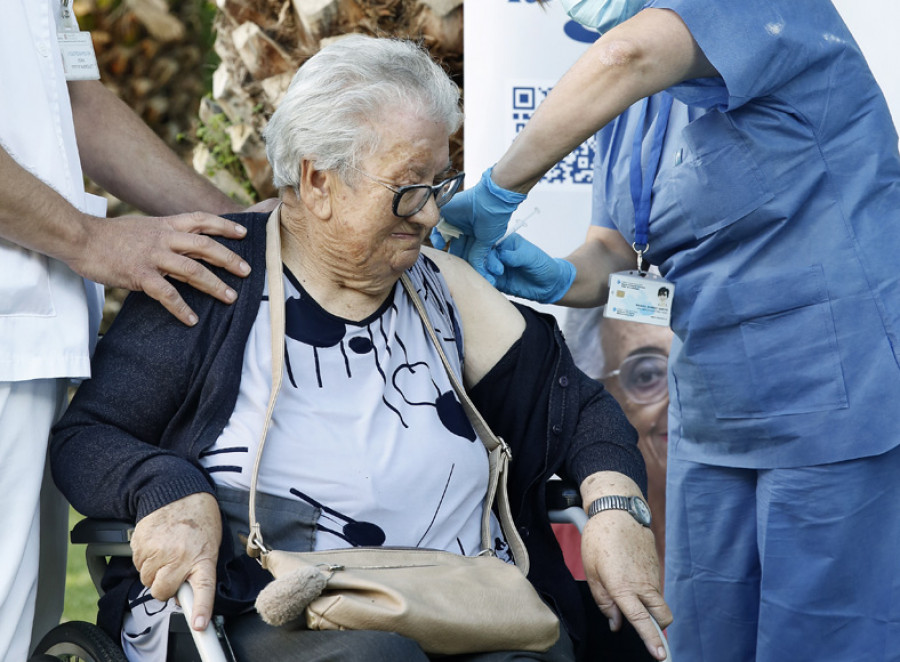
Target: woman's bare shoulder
491,324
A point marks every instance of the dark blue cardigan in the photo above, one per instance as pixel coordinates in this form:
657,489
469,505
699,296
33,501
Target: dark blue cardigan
162,393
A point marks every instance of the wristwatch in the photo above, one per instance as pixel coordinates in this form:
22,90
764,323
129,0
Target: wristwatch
635,505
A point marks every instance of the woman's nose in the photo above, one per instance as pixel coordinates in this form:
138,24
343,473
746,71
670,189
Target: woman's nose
429,215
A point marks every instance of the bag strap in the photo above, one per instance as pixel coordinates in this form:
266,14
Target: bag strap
255,545
499,455
498,451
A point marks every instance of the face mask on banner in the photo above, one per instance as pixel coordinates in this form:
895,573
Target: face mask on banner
602,15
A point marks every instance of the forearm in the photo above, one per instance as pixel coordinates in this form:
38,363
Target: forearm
607,483
35,216
121,154
604,252
646,54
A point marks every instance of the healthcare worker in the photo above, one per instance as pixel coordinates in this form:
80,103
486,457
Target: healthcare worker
774,213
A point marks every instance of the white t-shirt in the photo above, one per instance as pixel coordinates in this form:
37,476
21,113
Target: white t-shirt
367,427
49,316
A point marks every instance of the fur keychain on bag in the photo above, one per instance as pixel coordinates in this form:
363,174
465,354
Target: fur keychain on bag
284,599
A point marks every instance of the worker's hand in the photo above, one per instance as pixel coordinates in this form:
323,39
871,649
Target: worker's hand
622,571
481,213
180,542
138,252
522,269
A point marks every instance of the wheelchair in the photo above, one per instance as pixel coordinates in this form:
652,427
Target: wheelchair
78,641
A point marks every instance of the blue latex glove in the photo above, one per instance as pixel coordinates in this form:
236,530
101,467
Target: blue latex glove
530,273
482,213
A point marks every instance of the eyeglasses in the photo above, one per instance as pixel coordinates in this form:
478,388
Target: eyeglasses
409,200
643,377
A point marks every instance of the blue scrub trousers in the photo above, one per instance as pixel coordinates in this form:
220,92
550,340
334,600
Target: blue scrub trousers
784,565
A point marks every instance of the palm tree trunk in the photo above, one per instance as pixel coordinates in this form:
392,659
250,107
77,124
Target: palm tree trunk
261,44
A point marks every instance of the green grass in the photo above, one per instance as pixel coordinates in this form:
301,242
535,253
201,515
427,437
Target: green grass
81,596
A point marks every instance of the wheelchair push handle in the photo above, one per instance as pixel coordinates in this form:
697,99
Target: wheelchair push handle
207,641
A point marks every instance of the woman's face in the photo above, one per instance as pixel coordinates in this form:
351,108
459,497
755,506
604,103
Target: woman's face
620,340
411,150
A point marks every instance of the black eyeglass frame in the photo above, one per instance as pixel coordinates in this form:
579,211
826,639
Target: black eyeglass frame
433,191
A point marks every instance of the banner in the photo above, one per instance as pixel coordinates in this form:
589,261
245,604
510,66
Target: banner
516,51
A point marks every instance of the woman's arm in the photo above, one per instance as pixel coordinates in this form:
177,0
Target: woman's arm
620,562
491,324
647,53
106,455
121,449
105,452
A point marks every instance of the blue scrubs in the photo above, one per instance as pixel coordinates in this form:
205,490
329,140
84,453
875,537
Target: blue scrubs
776,212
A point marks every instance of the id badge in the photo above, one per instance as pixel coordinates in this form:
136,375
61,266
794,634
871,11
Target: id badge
640,297
79,60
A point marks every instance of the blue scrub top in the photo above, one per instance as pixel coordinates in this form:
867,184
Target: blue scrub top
776,212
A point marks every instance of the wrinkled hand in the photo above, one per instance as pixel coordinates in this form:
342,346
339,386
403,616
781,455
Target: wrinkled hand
622,570
138,252
528,272
178,543
482,213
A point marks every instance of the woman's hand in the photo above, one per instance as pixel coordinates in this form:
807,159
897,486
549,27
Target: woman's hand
620,562
178,543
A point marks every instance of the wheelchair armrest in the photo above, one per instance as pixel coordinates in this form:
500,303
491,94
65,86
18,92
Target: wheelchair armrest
90,530
564,504
103,538
562,494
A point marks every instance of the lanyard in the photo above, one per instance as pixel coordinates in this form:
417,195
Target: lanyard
641,185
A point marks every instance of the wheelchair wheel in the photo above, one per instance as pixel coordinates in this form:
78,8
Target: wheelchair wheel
77,641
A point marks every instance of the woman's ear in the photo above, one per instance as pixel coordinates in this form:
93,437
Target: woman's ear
315,189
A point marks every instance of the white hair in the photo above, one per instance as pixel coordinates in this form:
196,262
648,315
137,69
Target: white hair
335,98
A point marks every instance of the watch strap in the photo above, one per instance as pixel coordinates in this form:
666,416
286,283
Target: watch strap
612,502
634,505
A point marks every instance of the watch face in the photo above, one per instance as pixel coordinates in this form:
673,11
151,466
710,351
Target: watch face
641,510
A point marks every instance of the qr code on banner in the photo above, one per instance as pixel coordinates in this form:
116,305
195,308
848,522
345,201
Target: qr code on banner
578,166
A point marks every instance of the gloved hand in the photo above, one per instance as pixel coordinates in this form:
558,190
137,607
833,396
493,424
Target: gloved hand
481,213
530,273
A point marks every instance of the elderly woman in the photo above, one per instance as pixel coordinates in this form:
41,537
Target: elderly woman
365,447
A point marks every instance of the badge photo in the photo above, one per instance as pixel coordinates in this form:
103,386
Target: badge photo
640,297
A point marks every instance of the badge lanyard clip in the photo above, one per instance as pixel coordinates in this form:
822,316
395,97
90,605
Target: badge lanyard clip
640,296
68,23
